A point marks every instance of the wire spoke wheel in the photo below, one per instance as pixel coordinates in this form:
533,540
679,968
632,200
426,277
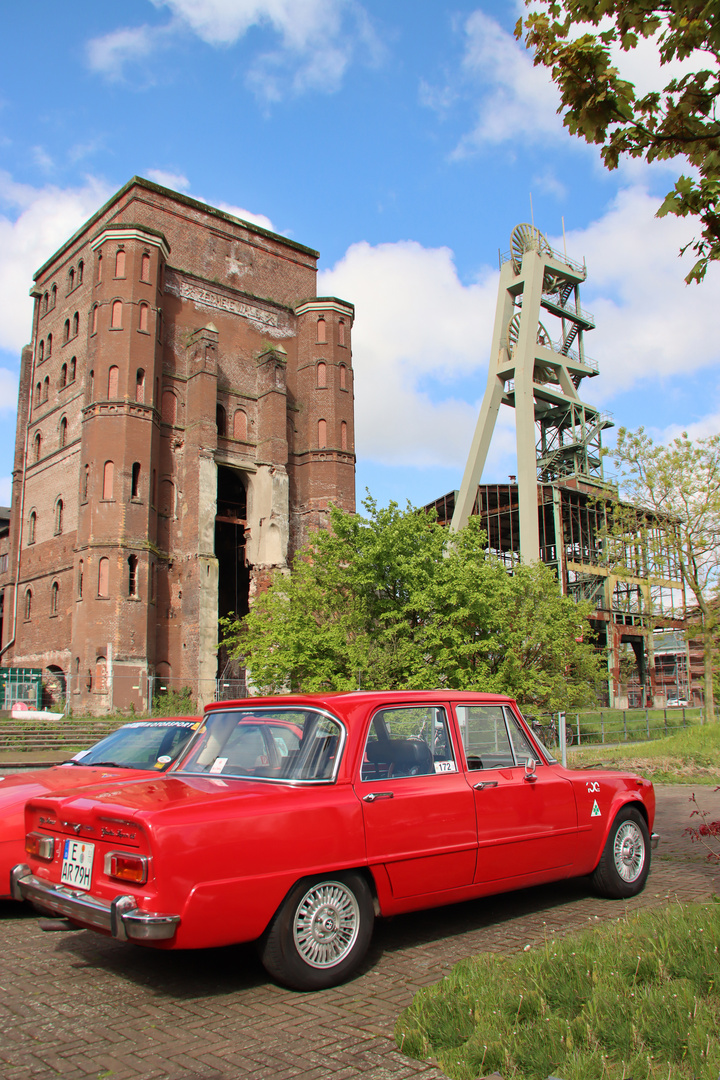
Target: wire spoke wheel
326,926
629,851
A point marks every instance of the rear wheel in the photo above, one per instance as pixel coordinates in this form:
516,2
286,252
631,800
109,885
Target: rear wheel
320,933
625,862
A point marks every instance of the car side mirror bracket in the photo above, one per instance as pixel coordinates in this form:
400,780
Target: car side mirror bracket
530,774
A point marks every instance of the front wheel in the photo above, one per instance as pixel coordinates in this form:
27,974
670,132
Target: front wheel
320,933
625,862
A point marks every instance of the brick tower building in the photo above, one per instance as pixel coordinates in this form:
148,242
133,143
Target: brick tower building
185,417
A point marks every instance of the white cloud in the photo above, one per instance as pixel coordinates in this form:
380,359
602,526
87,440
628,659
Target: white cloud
176,181
649,323
36,223
317,40
415,321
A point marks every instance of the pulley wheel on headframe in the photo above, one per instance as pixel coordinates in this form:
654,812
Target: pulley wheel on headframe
543,373
526,238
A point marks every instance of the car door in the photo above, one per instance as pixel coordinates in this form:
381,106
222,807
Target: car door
418,808
526,823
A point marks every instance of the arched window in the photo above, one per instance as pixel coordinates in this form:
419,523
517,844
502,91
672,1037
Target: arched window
48,347
71,280
66,331
321,331
80,577
322,434
167,498
54,591
341,332
63,432
343,436
85,481
240,425
80,271
63,377
37,446
91,383
135,487
94,319
38,394
101,675
159,325
145,267
99,266
41,352
321,372
140,385
120,264
46,303
72,370
113,376
132,575
28,604
76,324
144,318
104,577
32,526
108,479
169,407
46,388
116,316
343,377
221,420
58,517
53,296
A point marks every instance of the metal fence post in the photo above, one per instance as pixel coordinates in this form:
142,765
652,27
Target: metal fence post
625,723
563,741
602,727
577,722
647,723
666,721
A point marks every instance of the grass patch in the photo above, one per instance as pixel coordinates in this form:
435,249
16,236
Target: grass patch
637,998
688,757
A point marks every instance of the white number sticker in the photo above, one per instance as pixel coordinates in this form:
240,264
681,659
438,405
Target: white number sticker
445,766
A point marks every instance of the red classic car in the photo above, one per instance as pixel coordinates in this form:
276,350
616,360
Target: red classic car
294,821
148,746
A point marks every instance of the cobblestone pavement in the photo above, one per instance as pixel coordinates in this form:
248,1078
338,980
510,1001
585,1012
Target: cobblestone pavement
77,1005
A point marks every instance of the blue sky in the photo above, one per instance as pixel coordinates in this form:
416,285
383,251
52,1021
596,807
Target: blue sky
404,141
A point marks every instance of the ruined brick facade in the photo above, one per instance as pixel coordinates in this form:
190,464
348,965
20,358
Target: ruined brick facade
185,417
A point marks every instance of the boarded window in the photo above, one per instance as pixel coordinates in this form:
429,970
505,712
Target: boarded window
132,575
104,577
108,479
240,425
145,267
37,446
101,674
341,332
343,436
343,377
46,388
48,347
72,370
41,352
321,331
144,317
140,385
120,264
113,377
80,272
322,434
116,318
169,407
321,376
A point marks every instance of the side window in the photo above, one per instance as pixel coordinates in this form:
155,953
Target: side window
408,742
521,744
484,736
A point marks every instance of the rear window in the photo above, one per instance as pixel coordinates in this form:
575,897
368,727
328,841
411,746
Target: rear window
273,744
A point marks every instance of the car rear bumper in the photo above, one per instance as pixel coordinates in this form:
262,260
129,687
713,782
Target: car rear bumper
122,918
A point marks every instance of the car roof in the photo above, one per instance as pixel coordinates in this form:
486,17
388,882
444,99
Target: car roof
353,698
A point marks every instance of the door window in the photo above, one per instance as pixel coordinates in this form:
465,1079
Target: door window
408,742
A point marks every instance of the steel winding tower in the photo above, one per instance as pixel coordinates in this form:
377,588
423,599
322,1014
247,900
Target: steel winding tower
559,437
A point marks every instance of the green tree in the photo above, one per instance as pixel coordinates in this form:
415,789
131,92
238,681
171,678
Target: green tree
676,119
681,483
393,600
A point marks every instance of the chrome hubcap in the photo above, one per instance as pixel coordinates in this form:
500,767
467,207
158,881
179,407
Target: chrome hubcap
327,922
629,850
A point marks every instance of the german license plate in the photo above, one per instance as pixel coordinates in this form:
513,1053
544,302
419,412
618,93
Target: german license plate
77,864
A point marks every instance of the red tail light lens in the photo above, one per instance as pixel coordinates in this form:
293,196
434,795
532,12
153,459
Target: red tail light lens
42,847
125,867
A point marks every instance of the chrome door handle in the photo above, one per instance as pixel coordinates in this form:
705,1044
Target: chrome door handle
485,783
377,795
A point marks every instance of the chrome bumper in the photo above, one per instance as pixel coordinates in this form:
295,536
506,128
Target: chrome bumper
654,840
122,918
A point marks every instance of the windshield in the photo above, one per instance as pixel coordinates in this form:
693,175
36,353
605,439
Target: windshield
142,744
271,744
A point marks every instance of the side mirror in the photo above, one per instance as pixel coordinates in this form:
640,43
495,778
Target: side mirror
530,774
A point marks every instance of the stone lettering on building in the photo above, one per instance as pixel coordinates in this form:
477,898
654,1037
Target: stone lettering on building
188,290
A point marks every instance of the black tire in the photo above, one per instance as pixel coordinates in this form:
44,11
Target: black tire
625,862
321,932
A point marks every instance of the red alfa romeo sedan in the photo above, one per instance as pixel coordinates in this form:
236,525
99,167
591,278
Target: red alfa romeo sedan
295,821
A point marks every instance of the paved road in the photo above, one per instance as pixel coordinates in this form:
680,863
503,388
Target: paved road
76,1005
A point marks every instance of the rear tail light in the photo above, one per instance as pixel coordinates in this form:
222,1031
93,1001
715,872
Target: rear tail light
42,847
124,867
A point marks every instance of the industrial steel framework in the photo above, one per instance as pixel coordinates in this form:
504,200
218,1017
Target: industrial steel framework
561,510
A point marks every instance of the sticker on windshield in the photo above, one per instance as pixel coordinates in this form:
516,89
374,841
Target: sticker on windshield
80,755
218,764
164,759
445,766
595,812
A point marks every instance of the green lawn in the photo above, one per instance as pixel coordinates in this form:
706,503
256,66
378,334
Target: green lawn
636,998
688,757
